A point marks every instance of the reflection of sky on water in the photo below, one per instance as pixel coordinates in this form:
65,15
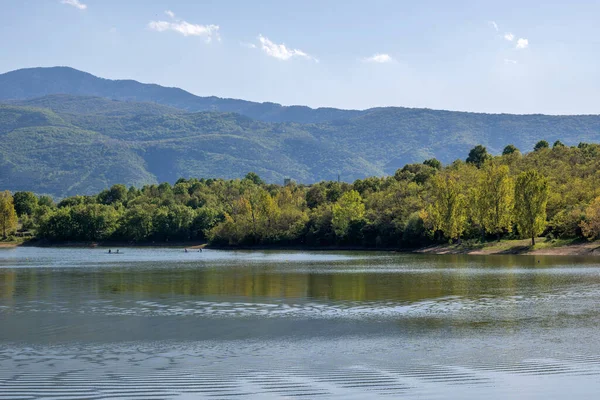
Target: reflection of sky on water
161,323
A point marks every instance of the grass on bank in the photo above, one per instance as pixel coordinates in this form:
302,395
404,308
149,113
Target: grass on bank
519,246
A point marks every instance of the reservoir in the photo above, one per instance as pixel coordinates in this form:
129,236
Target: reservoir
160,323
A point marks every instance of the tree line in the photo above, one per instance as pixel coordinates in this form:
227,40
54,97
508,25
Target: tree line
552,190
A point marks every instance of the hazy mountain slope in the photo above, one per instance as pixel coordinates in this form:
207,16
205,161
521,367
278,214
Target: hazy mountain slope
70,104
391,137
65,144
64,153
63,161
12,117
38,82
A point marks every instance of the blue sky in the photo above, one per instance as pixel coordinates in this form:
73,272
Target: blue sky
510,56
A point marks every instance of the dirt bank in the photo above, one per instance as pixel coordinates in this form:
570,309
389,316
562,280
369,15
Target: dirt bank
542,247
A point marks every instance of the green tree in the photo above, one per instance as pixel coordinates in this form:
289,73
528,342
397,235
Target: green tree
531,197
349,208
419,173
56,224
136,223
557,144
542,144
510,149
590,227
25,203
495,195
316,196
478,155
93,222
46,201
433,163
206,218
116,194
8,215
254,178
447,212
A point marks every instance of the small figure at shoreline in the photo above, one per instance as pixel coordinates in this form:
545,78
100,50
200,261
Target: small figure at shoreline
109,251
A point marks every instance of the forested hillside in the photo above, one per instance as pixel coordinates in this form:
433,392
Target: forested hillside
70,141
63,145
553,190
84,145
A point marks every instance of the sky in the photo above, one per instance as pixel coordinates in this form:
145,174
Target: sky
518,57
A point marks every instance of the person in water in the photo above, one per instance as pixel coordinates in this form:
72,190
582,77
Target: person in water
109,251
185,250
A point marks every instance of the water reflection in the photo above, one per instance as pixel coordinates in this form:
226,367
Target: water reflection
401,279
164,324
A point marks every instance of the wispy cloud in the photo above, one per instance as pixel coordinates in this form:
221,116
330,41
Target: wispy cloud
522,43
75,3
509,36
248,45
209,32
510,62
379,58
281,51
494,25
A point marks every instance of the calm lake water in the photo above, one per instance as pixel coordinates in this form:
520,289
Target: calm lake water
164,324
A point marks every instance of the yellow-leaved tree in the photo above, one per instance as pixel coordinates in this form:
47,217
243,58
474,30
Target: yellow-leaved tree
494,199
8,215
447,212
590,227
531,197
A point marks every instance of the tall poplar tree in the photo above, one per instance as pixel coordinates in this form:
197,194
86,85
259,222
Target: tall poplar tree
8,215
447,212
531,197
495,198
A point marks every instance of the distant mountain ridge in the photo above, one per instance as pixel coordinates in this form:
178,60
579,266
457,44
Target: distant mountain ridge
38,82
79,143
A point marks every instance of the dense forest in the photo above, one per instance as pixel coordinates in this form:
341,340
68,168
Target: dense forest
552,190
70,141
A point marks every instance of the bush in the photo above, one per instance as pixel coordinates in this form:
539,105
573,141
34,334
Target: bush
566,223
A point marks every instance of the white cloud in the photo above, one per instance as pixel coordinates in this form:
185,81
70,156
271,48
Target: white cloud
494,25
509,61
379,58
185,28
74,3
280,51
509,36
522,43
248,45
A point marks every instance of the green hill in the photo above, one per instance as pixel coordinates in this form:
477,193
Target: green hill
65,153
65,144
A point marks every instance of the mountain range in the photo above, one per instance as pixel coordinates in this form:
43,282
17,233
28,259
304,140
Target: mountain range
65,132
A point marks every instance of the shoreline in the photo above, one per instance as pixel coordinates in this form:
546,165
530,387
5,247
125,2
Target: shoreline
505,247
518,247
43,243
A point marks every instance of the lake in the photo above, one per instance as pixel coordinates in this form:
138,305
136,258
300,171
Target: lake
164,324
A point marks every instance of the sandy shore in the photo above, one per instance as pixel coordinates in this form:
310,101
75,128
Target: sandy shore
519,247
